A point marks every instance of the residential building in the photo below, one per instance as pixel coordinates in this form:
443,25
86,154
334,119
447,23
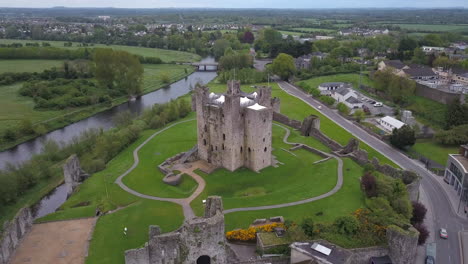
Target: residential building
420,72
457,169
327,88
395,64
347,96
389,123
428,49
305,61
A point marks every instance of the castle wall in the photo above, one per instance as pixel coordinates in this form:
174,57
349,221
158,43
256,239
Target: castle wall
214,124
201,98
258,138
232,138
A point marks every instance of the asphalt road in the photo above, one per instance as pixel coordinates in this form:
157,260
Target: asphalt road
448,251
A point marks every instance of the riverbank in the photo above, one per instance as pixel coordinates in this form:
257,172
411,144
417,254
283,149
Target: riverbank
53,120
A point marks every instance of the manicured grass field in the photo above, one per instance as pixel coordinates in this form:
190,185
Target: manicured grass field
350,78
15,107
297,109
163,54
292,33
308,30
430,149
28,65
147,179
295,180
344,202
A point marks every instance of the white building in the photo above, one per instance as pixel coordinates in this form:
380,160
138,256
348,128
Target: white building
329,87
347,96
389,123
428,49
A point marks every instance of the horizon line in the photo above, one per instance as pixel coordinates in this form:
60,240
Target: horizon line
233,8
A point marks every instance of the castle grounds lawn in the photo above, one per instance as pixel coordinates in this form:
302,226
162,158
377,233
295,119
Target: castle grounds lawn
297,179
344,202
109,242
297,109
15,107
146,177
28,65
430,149
164,54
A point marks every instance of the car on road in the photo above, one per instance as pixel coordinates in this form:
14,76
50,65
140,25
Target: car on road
319,107
430,260
372,102
443,233
378,104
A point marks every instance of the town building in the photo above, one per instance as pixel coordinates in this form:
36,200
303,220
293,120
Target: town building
234,128
457,169
419,72
328,87
305,61
389,123
397,65
428,49
347,96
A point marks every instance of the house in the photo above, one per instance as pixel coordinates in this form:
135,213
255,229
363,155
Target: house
428,49
327,88
304,61
420,72
395,64
323,37
346,96
457,169
389,123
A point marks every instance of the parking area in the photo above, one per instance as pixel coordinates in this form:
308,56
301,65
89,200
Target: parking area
375,110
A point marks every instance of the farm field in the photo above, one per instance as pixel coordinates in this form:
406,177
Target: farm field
28,65
430,149
292,33
430,27
164,54
16,108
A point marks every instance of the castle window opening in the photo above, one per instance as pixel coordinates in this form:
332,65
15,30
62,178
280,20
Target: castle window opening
249,150
204,142
263,139
206,129
223,146
241,149
224,136
204,260
265,149
211,147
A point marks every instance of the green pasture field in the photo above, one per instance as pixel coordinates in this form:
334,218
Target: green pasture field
28,65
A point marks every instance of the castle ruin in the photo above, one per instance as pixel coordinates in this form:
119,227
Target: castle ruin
234,128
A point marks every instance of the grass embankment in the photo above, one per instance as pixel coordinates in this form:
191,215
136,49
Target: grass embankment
297,109
15,107
28,65
164,54
296,179
436,152
100,191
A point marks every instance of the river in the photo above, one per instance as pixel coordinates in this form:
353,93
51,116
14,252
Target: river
24,151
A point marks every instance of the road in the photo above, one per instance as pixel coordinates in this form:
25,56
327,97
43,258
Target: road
448,251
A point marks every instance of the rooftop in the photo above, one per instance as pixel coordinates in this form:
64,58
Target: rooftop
337,255
343,91
353,100
333,84
397,64
462,160
256,107
416,71
392,121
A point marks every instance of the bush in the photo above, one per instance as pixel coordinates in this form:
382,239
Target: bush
419,213
165,78
402,206
456,136
369,185
307,227
403,137
9,135
423,233
327,99
347,225
315,92
369,167
342,108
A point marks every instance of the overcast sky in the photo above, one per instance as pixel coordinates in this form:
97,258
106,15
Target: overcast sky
235,3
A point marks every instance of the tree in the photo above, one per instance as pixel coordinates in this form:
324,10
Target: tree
118,70
248,37
419,213
283,66
342,108
347,225
455,136
403,137
419,56
359,115
456,115
444,62
423,233
369,185
307,227
26,127
219,47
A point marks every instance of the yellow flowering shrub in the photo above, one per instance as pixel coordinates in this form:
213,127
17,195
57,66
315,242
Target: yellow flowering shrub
250,233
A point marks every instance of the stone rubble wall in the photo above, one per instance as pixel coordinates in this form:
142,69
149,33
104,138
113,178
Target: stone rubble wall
73,174
286,120
13,232
402,244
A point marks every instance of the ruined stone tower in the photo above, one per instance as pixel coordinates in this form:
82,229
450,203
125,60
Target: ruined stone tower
234,128
199,240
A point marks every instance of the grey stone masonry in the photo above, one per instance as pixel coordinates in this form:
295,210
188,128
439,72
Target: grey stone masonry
201,237
73,174
402,244
13,232
234,128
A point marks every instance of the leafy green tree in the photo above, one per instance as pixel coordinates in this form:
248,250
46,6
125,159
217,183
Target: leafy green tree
455,136
403,137
359,115
342,108
219,47
307,227
283,66
419,56
26,127
456,115
347,225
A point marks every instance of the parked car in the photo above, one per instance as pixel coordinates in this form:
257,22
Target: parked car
443,233
378,104
372,102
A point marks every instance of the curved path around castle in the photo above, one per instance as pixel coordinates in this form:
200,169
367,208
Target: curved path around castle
185,202
337,187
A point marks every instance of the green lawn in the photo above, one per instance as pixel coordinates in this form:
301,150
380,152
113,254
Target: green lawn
292,33
345,201
295,180
15,107
350,78
147,179
163,54
297,109
28,65
431,27
430,149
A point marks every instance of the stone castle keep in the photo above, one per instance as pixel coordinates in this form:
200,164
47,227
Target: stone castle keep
234,128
